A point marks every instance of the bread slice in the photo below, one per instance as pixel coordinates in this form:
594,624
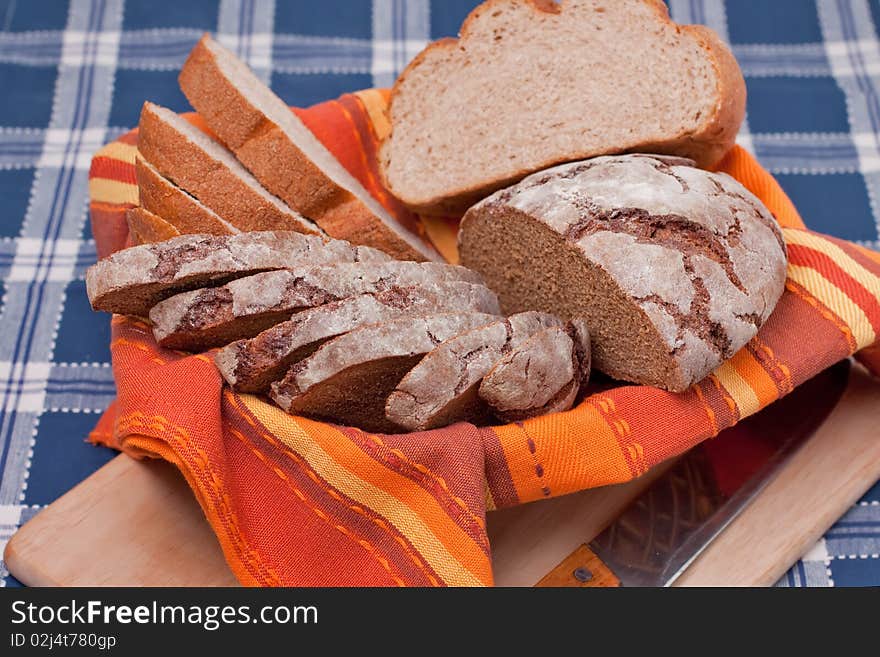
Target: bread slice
349,378
213,317
285,156
251,365
532,84
146,227
674,268
132,281
199,165
181,210
442,388
542,374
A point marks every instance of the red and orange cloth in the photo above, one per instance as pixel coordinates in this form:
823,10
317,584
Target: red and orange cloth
298,502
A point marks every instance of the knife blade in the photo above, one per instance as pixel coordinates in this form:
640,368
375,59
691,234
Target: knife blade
678,516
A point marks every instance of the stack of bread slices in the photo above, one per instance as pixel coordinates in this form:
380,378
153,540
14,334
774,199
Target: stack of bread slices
590,210
259,169
346,333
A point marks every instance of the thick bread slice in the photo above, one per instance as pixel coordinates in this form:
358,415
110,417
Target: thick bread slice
213,317
286,157
199,165
442,388
186,213
543,374
674,268
532,84
251,365
132,281
146,227
349,378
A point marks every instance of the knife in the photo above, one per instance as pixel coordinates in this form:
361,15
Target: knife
678,516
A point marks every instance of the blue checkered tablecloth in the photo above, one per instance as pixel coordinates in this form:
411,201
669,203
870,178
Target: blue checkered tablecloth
73,75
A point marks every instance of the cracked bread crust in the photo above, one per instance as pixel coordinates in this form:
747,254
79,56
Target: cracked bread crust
348,379
700,258
242,308
442,388
251,365
131,281
543,374
146,227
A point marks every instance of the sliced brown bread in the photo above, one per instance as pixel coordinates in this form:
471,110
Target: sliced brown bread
214,317
542,374
348,379
146,227
132,281
442,388
674,268
181,210
196,163
286,157
532,84
251,365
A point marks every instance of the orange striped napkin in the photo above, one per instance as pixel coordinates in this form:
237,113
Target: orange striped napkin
298,502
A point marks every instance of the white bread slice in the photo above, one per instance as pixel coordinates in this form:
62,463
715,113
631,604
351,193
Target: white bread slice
530,84
285,156
181,210
199,165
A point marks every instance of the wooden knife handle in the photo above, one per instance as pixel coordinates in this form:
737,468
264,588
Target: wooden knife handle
580,568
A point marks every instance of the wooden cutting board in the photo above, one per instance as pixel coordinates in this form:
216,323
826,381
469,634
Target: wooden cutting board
137,523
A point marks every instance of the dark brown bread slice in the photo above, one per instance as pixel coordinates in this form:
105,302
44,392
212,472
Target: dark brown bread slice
251,365
213,317
132,281
532,84
442,388
186,213
543,374
204,168
674,268
349,378
146,227
286,157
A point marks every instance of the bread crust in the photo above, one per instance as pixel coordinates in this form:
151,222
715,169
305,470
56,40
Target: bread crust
689,271
161,197
146,227
261,145
251,365
194,170
705,146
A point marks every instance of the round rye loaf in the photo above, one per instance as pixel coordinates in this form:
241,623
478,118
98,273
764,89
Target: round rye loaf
674,268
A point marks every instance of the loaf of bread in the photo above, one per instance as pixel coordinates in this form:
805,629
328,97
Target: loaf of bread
543,374
179,209
199,165
442,388
251,365
532,83
286,157
132,281
673,268
213,317
349,378
146,227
